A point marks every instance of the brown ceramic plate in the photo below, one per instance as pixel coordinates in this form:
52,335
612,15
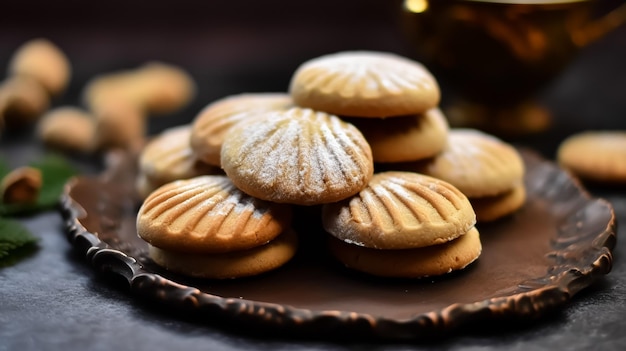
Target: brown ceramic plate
533,262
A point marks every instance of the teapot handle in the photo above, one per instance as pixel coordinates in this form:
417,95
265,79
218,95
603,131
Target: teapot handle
598,28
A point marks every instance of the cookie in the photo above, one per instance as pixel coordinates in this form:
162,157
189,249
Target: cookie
212,123
404,139
410,263
595,155
169,157
43,61
297,156
208,214
491,208
400,210
229,265
476,163
364,84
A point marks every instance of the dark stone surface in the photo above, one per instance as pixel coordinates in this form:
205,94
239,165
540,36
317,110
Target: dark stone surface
52,300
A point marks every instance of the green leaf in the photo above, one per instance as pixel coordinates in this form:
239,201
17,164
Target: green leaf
55,172
4,167
15,241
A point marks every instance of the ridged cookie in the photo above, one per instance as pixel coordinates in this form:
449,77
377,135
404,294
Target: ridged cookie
495,207
208,214
212,123
405,139
411,263
364,84
298,156
229,265
169,157
400,210
476,163
595,155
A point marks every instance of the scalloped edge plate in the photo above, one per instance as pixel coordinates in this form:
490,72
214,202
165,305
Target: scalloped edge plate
578,236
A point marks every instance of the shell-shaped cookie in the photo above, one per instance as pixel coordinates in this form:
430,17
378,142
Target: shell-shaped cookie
208,214
400,210
364,84
212,123
169,157
476,163
297,156
491,208
597,155
229,265
411,263
406,138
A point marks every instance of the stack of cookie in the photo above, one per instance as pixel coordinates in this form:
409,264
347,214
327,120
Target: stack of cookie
489,171
393,102
317,145
205,227
390,99
404,224
169,157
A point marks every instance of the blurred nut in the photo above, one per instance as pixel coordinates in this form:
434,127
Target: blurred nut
22,101
119,125
21,186
155,88
105,89
43,61
167,88
68,128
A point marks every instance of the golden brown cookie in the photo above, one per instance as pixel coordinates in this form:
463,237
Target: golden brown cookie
364,84
298,156
400,210
208,214
68,128
410,263
229,265
495,207
169,157
476,163
404,139
43,61
595,155
212,123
